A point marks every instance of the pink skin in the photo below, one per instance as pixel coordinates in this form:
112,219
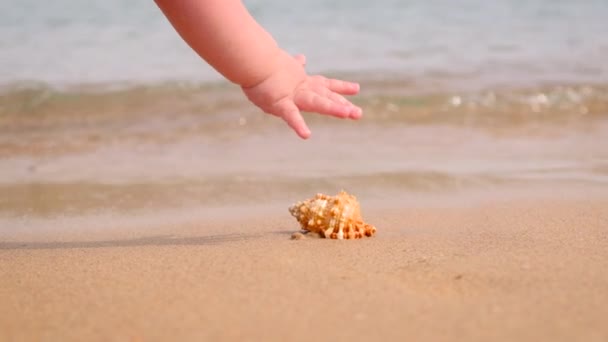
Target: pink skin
225,35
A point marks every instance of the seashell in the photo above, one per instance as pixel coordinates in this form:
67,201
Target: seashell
333,217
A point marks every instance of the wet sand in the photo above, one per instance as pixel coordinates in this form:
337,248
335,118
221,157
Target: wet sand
526,269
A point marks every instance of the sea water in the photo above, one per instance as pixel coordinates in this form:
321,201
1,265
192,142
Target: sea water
81,42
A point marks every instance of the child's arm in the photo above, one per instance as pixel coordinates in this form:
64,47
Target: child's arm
225,35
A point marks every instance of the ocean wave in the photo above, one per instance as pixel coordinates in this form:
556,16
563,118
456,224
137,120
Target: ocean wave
382,101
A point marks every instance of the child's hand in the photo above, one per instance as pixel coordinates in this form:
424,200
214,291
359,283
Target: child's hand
289,89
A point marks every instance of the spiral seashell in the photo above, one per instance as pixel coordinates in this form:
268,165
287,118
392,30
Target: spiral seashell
333,217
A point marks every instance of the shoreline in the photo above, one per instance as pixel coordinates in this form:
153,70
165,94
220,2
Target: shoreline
106,222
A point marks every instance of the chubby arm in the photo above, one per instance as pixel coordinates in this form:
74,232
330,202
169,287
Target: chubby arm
225,35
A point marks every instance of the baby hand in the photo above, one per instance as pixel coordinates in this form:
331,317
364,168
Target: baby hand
289,89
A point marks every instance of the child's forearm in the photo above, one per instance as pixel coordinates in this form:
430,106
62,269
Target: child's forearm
225,35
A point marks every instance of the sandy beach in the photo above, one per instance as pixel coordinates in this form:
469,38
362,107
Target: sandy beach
525,269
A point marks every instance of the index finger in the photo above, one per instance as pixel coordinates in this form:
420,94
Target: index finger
342,87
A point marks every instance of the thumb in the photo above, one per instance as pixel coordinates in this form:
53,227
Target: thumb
301,59
291,114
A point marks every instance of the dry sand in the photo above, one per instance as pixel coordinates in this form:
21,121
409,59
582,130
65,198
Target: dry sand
509,270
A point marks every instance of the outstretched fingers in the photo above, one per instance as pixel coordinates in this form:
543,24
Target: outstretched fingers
310,101
355,112
289,112
342,87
